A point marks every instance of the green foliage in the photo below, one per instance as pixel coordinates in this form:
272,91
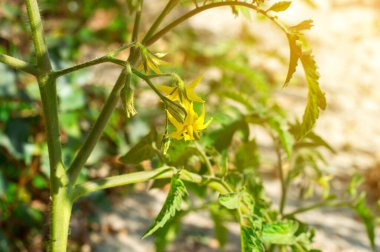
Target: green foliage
316,98
280,6
281,233
145,149
171,205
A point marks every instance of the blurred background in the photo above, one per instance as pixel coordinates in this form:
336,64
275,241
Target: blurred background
229,50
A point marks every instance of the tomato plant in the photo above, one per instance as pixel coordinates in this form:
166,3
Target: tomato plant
190,150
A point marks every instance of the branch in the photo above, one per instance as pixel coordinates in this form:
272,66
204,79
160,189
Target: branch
197,10
42,55
169,6
205,158
97,129
317,205
136,25
137,177
18,64
94,62
109,57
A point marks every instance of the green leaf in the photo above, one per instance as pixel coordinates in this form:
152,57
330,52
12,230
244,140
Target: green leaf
281,233
250,242
355,182
368,219
316,98
171,205
247,157
168,233
230,200
280,6
295,47
143,150
180,152
222,138
304,25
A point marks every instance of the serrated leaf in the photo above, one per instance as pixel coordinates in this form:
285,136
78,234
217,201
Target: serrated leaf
368,219
280,6
304,25
250,242
281,233
143,150
171,205
295,48
316,98
230,200
168,233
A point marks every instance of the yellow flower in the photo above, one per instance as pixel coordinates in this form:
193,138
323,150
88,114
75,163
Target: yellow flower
174,95
192,126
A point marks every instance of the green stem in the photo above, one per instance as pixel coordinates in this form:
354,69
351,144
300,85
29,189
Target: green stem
61,205
60,220
282,176
43,61
97,129
110,57
135,33
138,177
18,64
169,6
96,61
317,205
136,25
197,10
205,158
150,84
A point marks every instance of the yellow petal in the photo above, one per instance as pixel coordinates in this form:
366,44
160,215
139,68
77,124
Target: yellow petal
195,82
173,121
191,95
166,89
176,135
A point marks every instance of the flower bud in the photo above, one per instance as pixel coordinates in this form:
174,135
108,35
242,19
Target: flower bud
176,110
127,95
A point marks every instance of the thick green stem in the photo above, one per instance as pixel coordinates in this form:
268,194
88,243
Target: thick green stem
18,64
60,205
60,218
137,177
41,51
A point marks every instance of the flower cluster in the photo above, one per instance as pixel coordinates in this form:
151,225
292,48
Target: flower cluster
193,123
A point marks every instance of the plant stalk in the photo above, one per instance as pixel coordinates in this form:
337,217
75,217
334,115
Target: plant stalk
60,205
137,177
97,129
18,64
